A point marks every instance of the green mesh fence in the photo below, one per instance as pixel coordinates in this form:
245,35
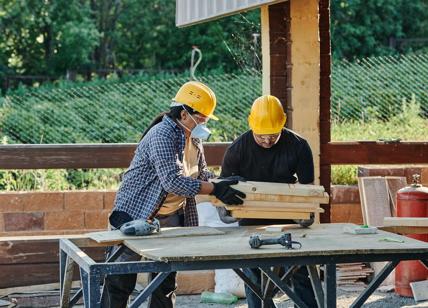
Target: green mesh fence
366,90
119,112
379,88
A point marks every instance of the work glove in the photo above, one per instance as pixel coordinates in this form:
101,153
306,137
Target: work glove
225,215
227,194
140,227
305,222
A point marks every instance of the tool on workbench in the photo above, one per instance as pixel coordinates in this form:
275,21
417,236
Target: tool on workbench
285,240
140,227
363,229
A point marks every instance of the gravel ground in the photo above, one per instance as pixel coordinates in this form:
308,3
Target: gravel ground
344,300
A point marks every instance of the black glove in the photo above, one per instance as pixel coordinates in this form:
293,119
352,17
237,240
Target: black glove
227,194
233,178
305,223
225,216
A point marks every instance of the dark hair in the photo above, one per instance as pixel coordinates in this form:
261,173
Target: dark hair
174,113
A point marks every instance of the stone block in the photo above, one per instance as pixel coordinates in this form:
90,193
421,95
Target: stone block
346,213
23,221
67,220
12,202
44,201
96,219
84,200
109,197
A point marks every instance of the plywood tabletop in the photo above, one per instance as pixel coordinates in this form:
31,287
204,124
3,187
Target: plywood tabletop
318,240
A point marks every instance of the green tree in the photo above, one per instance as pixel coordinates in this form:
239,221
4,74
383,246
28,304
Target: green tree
364,28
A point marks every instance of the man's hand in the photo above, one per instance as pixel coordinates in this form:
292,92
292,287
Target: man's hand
227,194
225,215
140,227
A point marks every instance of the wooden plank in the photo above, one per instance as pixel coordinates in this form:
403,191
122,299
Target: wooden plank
115,237
394,183
53,156
375,200
269,214
273,198
361,152
251,187
318,240
406,221
405,229
276,208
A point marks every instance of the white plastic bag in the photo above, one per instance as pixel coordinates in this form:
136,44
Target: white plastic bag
226,281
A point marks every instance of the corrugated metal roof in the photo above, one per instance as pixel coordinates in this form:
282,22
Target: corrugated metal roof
195,11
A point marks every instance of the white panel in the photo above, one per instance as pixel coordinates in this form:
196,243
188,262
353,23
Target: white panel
195,11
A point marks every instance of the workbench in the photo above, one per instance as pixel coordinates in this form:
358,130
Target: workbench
322,244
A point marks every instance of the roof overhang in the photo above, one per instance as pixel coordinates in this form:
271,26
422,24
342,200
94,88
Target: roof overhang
190,12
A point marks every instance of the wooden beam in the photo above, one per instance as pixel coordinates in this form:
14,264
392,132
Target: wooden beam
405,222
57,156
372,152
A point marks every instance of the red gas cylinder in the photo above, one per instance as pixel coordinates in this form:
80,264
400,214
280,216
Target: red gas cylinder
412,201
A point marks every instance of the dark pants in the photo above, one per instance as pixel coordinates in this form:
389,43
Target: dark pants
301,285
118,288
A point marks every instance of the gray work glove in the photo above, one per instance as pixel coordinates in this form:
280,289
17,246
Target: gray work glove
225,215
305,222
140,227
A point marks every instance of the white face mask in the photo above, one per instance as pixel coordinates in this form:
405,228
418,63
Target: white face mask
200,131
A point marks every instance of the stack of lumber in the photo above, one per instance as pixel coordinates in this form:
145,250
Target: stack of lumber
352,273
406,225
277,200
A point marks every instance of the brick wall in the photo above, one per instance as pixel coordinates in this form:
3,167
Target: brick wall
35,213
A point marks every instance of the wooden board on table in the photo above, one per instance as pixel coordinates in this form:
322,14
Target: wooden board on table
317,240
273,199
374,200
115,237
395,183
244,213
278,188
315,209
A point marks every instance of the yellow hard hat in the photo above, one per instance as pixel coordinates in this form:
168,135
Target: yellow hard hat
267,116
197,96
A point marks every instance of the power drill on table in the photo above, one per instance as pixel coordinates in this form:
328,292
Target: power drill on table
285,240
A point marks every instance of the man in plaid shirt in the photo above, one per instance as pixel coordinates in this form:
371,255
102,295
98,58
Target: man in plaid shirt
167,172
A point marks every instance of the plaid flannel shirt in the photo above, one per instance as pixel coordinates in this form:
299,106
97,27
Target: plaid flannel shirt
156,170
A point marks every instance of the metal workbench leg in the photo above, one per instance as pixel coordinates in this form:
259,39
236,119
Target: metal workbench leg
316,285
94,281
66,278
255,288
149,289
374,284
330,286
283,287
85,286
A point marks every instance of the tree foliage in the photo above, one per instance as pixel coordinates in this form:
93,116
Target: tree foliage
362,28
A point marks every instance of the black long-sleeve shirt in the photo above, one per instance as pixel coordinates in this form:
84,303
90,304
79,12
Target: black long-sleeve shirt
288,161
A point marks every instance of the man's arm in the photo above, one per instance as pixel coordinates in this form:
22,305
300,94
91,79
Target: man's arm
305,165
230,165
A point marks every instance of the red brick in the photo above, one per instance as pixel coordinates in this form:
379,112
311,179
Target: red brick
424,176
109,197
1,223
83,200
12,202
96,219
345,194
23,221
66,220
44,201
347,213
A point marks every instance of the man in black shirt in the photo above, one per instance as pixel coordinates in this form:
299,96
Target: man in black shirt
270,153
